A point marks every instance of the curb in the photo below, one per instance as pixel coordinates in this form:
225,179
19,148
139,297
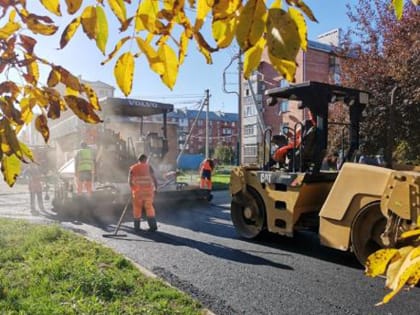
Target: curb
148,273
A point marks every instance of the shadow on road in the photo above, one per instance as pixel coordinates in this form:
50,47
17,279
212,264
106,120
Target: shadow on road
211,249
213,220
307,243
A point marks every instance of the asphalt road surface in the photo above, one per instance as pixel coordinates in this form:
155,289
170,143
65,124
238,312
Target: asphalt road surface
197,250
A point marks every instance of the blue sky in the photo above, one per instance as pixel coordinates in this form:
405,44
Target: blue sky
83,58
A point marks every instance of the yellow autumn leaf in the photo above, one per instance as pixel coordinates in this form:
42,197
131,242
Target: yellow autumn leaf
69,80
152,56
409,268
26,110
88,20
204,47
377,263
53,78
305,9
277,4
101,29
124,72
10,167
398,8
146,15
69,31
252,57
52,5
41,124
287,68
283,39
251,24
34,24
73,5
10,27
119,9
203,8
416,2
9,141
222,9
299,20
117,47
82,108
70,91
411,233
26,151
93,98
170,63
32,67
224,31
183,47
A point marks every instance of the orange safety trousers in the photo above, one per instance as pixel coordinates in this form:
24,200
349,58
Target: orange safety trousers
205,180
142,199
142,190
84,181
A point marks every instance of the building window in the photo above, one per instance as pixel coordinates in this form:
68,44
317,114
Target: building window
249,111
250,150
284,106
226,131
249,130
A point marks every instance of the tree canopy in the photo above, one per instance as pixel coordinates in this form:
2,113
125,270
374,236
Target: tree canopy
382,54
158,30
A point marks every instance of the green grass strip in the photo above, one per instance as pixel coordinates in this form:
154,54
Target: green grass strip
45,269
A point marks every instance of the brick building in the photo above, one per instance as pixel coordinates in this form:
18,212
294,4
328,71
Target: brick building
318,63
223,130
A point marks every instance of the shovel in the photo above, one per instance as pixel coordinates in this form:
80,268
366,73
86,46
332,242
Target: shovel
115,233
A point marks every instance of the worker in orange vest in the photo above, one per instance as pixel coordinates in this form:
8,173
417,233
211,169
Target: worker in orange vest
143,184
206,168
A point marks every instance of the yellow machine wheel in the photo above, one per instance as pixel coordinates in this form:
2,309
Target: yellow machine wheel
366,231
248,214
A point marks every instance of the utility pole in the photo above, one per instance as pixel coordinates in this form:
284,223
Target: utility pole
390,129
207,103
240,66
239,95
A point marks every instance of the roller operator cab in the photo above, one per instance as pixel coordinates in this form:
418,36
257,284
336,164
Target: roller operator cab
355,207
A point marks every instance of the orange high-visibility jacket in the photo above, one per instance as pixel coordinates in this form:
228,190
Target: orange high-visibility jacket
141,178
207,166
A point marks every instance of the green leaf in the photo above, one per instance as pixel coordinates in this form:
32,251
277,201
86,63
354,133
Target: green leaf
101,29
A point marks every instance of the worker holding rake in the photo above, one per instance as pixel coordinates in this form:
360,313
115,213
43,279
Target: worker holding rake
143,184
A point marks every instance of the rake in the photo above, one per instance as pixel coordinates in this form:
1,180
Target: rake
115,233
